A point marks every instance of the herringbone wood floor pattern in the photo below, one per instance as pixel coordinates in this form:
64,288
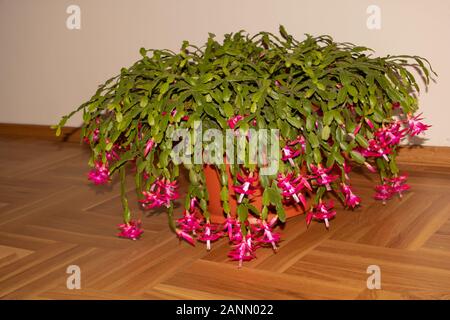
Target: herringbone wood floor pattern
51,217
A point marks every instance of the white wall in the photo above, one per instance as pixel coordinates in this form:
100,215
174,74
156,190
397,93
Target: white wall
46,70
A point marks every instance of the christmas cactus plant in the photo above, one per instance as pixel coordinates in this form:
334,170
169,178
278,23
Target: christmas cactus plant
333,104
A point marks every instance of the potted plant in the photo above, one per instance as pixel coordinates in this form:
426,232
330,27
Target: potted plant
331,105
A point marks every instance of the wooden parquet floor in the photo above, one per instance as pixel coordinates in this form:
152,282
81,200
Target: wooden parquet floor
51,217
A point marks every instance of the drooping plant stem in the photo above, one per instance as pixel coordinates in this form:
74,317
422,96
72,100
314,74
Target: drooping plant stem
123,194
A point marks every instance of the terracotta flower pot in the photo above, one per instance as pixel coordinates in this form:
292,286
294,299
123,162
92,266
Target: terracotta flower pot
215,204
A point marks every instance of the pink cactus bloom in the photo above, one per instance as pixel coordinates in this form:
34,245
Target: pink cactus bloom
244,251
396,105
289,153
192,204
131,230
232,122
268,235
168,189
189,222
370,167
347,169
229,227
96,135
99,174
161,192
151,200
183,235
398,184
209,235
246,187
299,140
322,212
390,135
291,187
322,175
149,146
383,192
369,123
351,107
112,154
237,233
232,228
351,200
415,126
357,128
375,149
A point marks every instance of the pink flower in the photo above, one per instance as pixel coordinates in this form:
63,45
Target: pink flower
351,200
185,236
244,251
230,226
208,235
415,126
131,230
112,154
268,235
375,149
347,169
357,128
100,174
192,204
390,135
161,192
234,120
151,200
189,222
321,175
291,187
246,187
233,229
237,235
398,184
289,153
96,135
369,123
370,167
384,139
396,105
299,140
383,192
321,212
149,146
169,189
